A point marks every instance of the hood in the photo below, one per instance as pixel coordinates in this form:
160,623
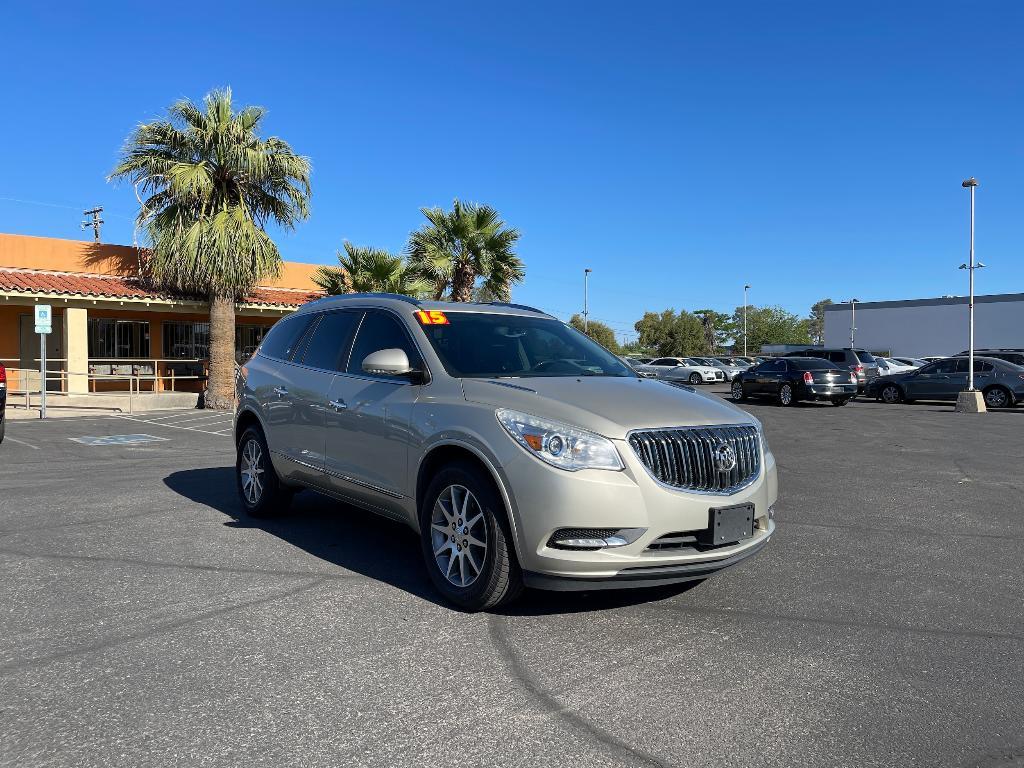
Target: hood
608,405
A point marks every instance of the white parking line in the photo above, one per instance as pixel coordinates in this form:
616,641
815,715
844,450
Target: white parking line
217,417
172,426
22,442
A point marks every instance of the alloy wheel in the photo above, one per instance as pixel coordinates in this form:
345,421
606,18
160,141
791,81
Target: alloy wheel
786,394
996,398
737,391
252,471
891,394
458,535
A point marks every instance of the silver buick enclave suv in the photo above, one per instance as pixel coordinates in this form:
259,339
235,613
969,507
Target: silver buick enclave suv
522,452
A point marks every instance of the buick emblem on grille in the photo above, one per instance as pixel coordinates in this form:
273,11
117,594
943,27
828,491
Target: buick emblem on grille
725,457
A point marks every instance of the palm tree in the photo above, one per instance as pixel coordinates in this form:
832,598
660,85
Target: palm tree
212,186
456,247
370,270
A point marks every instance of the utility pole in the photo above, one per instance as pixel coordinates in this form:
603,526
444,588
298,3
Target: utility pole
95,222
745,289
586,298
970,400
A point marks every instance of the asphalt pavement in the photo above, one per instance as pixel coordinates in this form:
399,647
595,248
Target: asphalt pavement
145,622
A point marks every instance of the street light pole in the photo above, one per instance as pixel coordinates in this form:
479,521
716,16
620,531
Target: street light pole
745,289
586,298
970,266
970,400
853,321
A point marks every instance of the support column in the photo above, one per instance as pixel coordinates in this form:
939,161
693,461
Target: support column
76,349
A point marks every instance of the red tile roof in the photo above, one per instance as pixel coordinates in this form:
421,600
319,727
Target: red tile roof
115,287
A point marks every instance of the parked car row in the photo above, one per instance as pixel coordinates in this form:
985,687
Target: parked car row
681,369
1000,382
790,380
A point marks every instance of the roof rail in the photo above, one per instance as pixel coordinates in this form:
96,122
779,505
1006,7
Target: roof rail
514,306
376,295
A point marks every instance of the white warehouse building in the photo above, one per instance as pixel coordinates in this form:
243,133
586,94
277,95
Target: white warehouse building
928,326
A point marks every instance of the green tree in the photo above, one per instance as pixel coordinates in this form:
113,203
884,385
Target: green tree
719,328
816,324
456,248
370,270
598,331
771,325
670,333
211,187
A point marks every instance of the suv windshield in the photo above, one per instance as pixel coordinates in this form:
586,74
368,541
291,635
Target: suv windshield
865,357
479,345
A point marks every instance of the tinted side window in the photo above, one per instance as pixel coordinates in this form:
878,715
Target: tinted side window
663,361
865,357
282,339
947,366
775,366
837,357
330,342
980,366
380,331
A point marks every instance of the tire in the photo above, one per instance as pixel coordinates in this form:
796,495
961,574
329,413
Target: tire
998,397
891,394
265,495
787,397
474,576
841,400
738,395
695,378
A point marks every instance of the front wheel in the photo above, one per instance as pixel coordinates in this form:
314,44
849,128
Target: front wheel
998,397
786,395
737,391
695,378
891,394
259,488
466,541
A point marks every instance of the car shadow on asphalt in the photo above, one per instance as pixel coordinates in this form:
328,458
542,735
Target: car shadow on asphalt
376,547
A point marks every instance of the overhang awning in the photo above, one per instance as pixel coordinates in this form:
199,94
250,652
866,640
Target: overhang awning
35,283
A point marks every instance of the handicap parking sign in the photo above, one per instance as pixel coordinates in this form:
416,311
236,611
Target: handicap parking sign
116,439
44,318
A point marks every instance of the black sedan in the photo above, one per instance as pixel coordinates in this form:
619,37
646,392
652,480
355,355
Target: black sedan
3,400
1001,382
792,379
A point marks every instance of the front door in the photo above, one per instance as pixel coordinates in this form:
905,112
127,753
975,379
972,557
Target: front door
931,381
368,418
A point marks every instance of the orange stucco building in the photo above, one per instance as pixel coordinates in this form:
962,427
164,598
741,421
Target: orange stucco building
109,324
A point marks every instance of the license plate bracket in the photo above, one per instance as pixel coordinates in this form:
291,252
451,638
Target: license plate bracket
728,525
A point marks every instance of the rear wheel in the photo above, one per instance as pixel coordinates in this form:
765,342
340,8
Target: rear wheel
786,395
891,394
737,391
466,541
259,488
998,397
695,378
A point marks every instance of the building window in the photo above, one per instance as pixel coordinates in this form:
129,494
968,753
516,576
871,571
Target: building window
118,338
186,341
247,338
191,341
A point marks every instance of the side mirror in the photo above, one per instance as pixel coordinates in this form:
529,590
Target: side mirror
387,362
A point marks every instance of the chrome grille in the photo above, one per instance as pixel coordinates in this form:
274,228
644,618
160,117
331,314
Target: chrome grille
692,458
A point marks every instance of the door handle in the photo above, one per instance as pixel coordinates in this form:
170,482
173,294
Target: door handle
280,391
338,405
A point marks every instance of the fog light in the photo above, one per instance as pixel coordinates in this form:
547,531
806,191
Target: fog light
594,538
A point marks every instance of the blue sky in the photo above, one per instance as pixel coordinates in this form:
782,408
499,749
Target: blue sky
677,149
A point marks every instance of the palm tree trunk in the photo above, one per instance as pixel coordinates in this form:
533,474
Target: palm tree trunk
220,391
463,278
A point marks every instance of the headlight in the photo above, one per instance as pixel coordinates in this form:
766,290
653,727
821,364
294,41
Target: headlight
560,445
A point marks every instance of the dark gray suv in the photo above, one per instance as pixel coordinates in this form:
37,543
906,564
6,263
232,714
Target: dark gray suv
859,361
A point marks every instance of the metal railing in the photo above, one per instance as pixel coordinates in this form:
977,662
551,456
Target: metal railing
29,382
159,372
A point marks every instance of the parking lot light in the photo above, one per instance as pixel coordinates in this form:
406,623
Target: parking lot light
970,400
853,320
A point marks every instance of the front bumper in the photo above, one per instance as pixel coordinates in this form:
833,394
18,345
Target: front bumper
545,499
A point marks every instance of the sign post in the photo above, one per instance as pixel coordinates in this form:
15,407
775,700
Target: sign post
44,325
